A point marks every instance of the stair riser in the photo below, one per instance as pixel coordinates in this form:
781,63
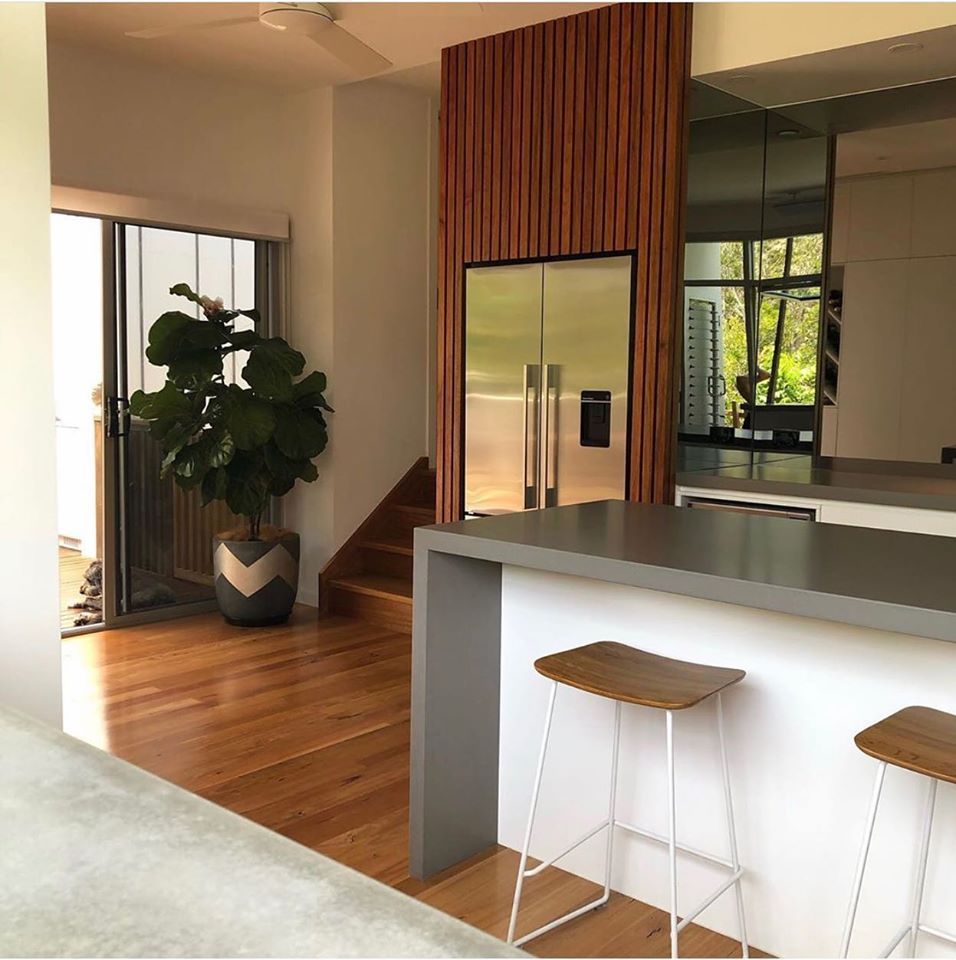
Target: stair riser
389,564
378,610
399,524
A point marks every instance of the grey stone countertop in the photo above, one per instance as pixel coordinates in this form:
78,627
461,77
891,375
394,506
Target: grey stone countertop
924,486
884,579
99,858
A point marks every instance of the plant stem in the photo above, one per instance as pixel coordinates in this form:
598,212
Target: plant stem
255,520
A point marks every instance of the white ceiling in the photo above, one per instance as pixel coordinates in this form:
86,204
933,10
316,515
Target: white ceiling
854,69
411,35
913,146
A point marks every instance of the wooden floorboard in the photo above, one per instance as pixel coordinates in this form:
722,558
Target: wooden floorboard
304,728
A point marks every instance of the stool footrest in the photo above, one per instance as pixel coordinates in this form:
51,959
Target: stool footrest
577,843
683,847
573,915
704,904
922,928
647,835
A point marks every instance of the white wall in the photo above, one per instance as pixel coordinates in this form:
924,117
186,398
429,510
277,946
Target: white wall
896,389
29,621
380,255
801,787
77,288
729,35
360,220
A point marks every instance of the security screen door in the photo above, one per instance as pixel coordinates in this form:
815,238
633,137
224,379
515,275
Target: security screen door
163,534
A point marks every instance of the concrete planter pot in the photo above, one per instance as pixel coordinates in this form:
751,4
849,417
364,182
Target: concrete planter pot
256,580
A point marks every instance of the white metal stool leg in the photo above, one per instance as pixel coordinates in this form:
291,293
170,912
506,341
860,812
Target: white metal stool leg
861,864
672,832
732,831
534,803
604,825
921,869
612,802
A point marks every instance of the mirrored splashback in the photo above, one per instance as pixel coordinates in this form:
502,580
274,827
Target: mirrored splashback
756,214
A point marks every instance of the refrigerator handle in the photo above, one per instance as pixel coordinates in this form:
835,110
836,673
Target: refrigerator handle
549,379
532,382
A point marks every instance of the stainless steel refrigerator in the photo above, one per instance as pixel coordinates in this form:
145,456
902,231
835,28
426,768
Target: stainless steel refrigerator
547,350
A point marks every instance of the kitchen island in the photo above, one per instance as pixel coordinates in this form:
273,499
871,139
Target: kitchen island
836,626
100,859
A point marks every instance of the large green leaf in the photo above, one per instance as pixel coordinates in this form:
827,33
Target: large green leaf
247,495
184,290
279,486
214,485
308,391
249,419
168,403
271,366
299,434
211,450
243,339
164,337
193,370
285,467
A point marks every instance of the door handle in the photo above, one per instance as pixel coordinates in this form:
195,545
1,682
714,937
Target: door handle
549,380
117,417
531,388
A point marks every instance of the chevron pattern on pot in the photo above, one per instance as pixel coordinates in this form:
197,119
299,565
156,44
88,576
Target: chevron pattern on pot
249,580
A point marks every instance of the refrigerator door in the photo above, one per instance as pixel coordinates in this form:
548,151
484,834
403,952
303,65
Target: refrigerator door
585,364
502,375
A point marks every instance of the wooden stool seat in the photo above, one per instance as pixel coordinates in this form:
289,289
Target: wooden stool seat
626,674
916,738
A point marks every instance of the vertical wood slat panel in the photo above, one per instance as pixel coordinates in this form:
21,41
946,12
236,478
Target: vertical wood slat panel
569,137
567,119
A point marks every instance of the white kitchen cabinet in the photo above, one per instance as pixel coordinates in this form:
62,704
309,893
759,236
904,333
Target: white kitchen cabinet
881,214
849,513
871,351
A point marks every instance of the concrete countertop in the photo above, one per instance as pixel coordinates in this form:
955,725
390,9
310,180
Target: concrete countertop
884,579
925,486
98,858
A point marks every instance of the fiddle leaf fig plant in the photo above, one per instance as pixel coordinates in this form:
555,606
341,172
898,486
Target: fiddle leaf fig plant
241,444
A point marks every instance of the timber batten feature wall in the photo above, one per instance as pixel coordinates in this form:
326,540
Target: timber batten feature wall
560,139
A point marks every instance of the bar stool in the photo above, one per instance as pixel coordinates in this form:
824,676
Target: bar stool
924,741
626,675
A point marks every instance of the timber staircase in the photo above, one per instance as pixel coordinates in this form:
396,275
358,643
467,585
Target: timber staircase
370,578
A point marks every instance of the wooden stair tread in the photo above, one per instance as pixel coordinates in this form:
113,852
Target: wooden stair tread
388,545
376,585
422,511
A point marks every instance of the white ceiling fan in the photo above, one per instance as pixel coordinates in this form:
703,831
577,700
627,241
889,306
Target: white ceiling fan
310,20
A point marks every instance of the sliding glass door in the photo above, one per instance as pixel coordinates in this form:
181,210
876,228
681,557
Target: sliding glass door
162,534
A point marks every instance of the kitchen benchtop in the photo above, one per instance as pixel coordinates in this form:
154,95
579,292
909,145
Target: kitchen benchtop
926,486
99,858
875,578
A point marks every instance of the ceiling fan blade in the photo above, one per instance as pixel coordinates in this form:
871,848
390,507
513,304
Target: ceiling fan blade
153,33
350,50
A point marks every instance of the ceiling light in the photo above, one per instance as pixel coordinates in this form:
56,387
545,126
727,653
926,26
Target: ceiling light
906,46
788,132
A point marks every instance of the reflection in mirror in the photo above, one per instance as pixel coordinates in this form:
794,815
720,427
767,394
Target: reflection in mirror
723,227
753,263
787,334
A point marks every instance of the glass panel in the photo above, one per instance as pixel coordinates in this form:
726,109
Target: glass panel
166,531
788,303
724,216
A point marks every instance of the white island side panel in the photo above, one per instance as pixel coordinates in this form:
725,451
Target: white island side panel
801,787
